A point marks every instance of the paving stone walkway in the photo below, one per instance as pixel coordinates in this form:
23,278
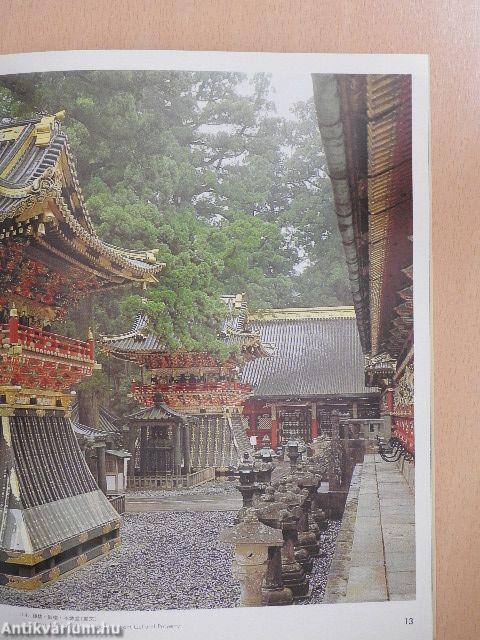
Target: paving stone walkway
375,555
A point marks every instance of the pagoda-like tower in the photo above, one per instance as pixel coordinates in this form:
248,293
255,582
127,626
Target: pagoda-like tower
53,516
199,384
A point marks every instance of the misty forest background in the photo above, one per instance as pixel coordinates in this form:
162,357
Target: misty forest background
199,166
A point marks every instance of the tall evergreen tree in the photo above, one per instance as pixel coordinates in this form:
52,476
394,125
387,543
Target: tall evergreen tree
198,166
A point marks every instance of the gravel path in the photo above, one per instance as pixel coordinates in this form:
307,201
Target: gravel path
166,561
170,560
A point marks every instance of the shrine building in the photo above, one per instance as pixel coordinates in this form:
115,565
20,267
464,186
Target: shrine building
102,447
192,400
365,124
53,515
317,367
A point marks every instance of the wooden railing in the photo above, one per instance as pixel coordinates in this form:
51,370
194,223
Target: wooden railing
40,341
170,482
118,502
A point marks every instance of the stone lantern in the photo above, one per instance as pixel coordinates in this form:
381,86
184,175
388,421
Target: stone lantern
305,550
266,441
254,543
266,454
246,461
293,452
274,591
263,472
305,487
320,519
293,575
248,488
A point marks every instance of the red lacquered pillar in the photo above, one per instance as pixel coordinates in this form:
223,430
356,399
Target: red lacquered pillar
314,422
274,430
389,400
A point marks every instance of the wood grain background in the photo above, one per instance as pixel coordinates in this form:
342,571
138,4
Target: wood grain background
448,31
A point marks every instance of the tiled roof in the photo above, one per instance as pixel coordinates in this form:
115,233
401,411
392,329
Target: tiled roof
106,426
157,412
319,355
56,497
366,126
119,453
36,167
134,342
234,330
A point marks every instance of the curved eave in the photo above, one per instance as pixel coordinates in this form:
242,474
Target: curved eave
155,413
332,131
39,186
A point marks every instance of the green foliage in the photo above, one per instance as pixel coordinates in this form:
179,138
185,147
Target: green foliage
234,198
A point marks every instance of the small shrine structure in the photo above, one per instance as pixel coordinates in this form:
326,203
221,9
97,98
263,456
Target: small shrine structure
317,369
202,386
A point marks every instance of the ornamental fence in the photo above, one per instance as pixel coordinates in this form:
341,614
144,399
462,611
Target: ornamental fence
171,482
118,502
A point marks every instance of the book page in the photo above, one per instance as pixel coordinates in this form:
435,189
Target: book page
212,398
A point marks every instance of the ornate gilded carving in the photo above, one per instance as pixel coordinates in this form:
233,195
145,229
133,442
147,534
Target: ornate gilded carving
403,393
27,584
25,558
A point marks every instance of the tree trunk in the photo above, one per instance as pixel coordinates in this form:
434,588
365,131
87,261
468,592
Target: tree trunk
88,408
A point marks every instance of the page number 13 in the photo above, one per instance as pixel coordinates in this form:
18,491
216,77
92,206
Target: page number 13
408,620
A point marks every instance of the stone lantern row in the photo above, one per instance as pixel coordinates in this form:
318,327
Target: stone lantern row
278,531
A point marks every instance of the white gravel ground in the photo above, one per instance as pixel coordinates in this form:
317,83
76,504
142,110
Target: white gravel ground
167,560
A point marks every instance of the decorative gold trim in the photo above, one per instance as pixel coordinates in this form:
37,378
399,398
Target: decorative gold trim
54,574
55,549
303,313
27,584
19,398
82,559
28,559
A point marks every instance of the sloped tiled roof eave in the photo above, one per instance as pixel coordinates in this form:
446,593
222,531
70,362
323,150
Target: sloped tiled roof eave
39,189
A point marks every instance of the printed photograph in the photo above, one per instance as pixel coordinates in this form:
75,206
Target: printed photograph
206,319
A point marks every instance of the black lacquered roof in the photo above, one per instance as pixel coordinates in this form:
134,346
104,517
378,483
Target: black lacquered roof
108,424
158,411
40,197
